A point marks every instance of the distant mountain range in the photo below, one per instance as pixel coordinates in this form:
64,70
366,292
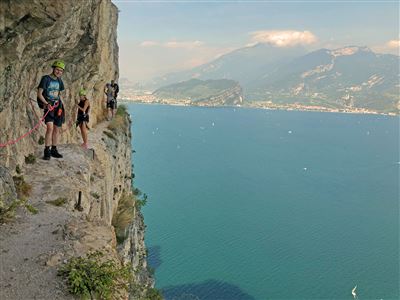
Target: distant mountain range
349,77
241,65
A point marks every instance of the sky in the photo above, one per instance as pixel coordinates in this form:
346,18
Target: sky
159,37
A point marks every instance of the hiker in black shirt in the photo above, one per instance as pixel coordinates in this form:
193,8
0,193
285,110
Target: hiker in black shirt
115,86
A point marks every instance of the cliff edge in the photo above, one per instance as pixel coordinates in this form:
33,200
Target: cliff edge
68,207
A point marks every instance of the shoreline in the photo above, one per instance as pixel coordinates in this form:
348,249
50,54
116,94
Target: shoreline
275,107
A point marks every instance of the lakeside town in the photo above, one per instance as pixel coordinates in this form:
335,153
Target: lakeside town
147,97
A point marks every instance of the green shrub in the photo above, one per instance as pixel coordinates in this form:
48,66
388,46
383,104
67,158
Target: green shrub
30,159
41,140
120,122
141,202
136,192
7,212
121,111
18,169
95,278
153,294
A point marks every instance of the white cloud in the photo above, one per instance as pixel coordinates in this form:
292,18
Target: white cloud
392,47
393,44
283,38
184,45
149,44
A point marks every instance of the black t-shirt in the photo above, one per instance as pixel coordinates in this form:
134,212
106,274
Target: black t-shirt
116,88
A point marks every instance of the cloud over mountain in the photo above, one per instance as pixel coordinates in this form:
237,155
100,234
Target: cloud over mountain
283,38
393,44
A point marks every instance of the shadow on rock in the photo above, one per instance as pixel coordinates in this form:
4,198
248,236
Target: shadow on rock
208,290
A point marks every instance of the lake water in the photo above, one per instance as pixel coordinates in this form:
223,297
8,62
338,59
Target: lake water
257,204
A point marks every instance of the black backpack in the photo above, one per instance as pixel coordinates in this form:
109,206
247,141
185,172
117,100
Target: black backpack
48,79
116,88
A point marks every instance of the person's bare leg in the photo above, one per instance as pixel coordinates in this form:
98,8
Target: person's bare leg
54,139
47,140
49,134
84,134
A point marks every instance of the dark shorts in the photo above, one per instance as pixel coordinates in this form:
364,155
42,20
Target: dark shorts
112,104
82,118
53,117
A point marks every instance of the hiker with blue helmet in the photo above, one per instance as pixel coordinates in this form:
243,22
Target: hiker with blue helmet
83,116
49,99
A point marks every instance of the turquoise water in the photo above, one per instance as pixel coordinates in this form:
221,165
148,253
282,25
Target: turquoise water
256,204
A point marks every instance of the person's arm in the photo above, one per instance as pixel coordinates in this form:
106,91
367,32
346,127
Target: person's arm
41,98
80,108
86,105
41,87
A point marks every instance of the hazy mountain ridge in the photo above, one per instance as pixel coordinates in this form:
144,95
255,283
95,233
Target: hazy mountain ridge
349,77
240,65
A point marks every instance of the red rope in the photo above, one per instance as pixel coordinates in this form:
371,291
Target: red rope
11,142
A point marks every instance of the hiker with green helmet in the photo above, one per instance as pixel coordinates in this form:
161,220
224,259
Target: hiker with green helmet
48,97
83,116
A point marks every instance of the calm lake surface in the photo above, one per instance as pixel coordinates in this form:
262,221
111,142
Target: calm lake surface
257,204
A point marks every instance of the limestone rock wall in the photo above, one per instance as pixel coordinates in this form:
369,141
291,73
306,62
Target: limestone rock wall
33,33
91,182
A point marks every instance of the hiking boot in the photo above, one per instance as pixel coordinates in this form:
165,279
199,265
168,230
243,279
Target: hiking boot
55,153
47,154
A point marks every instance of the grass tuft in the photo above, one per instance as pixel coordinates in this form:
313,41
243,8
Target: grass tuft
110,135
30,159
57,202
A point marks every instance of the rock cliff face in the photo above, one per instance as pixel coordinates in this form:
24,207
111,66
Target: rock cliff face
90,183
35,33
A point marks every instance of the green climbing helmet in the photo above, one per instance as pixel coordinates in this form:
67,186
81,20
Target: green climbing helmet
58,63
82,92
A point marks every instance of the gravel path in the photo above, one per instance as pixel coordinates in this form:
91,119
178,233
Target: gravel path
32,246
